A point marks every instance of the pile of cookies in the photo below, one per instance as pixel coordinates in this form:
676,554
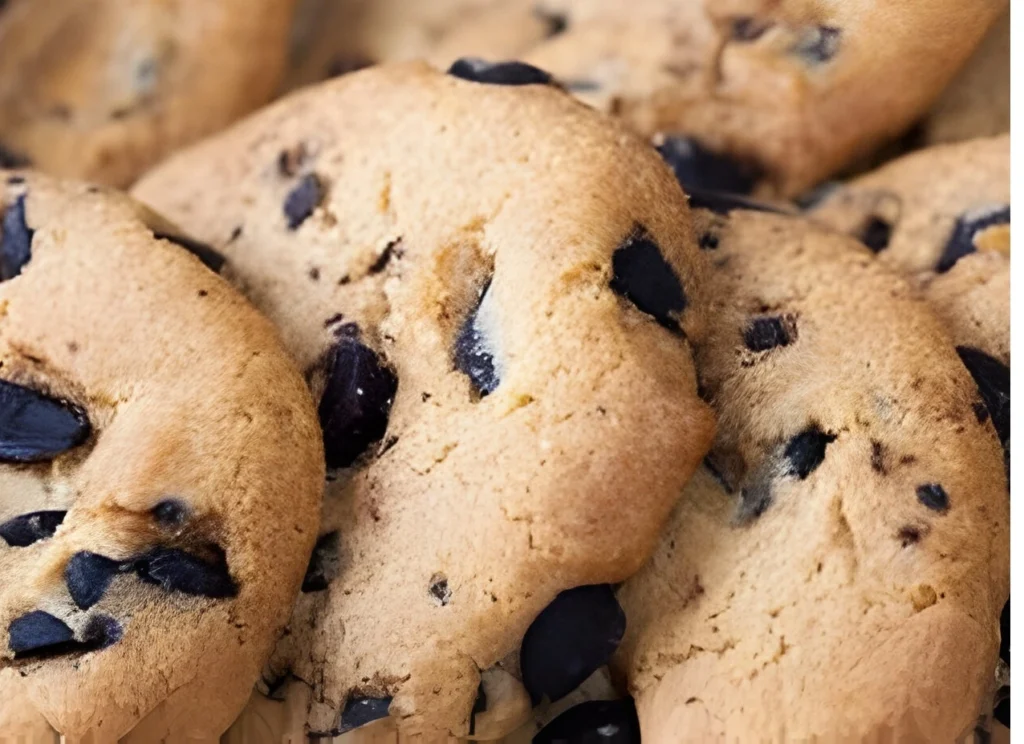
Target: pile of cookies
530,369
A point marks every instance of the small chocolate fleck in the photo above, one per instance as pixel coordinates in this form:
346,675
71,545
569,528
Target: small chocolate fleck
933,496
303,200
391,250
770,332
439,589
908,535
474,352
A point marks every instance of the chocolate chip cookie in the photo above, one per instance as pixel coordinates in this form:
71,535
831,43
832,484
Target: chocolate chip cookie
103,89
161,468
494,290
837,570
777,95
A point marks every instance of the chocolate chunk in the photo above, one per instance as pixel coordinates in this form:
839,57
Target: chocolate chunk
876,234
933,496
15,240
474,355
41,635
642,275
594,722
88,576
820,45
361,711
569,640
498,73
439,589
36,428
993,380
708,242
11,159
770,332
961,242
303,199
26,529
324,564
806,451
748,29
174,570
36,632
697,167
721,202
356,402
390,250
479,706
210,258
171,514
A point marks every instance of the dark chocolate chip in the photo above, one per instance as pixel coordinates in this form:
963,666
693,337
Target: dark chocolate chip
806,451
708,242
875,234
749,29
878,457
324,564
210,258
439,589
88,576
594,722
344,64
820,45
498,73
721,202
933,496
642,275
11,159
36,632
993,380
174,570
390,250
961,242
556,23
697,167
569,640
171,514
15,240
36,428
770,332
361,711
26,529
356,401
474,355
479,706
303,199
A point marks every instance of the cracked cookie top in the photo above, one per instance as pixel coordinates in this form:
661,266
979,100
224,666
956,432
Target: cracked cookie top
160,471
494,291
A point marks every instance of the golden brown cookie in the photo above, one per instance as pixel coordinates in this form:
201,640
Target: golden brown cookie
837,570
494,289
103,89
161,472
758,95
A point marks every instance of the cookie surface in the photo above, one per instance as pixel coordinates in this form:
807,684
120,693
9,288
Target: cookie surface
525,272
161,471
781,94
838,569
103,89
977,101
